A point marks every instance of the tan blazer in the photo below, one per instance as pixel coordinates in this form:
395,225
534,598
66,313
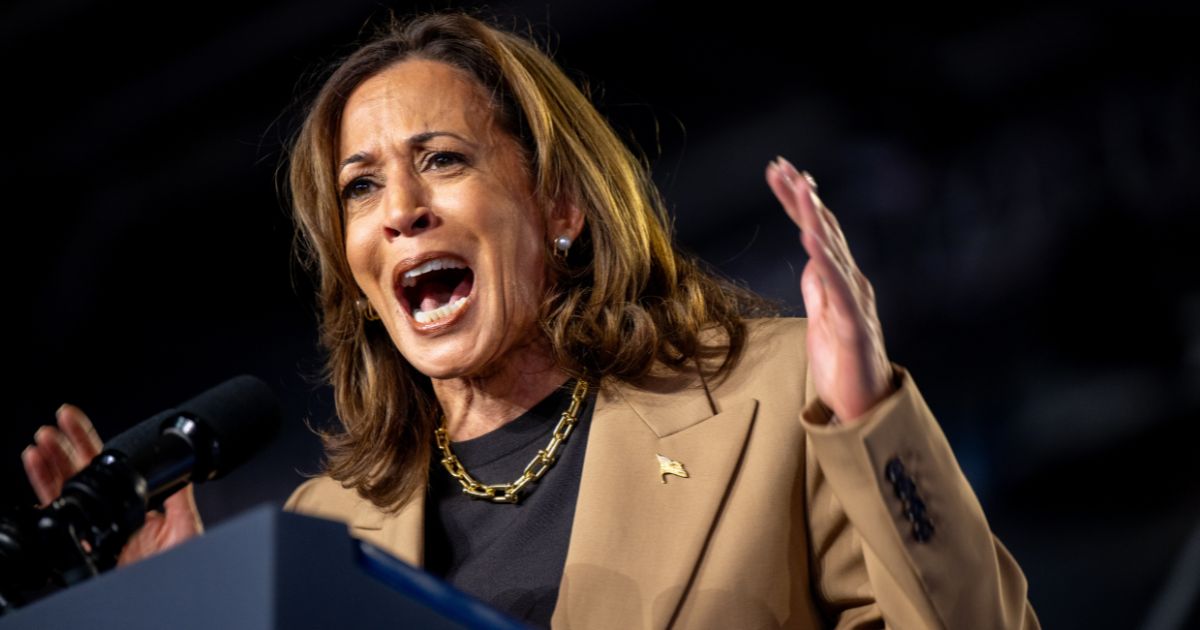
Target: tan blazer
784,519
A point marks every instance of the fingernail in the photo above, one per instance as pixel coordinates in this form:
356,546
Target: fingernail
774,164
788,165
786,168
58,412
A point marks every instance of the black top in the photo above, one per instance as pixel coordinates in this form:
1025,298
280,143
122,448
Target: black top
510,556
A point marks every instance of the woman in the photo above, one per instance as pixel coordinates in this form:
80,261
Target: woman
545,403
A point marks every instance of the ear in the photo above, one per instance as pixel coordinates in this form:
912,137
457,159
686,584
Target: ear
566,219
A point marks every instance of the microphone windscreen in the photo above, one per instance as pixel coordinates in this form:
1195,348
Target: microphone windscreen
142,437
242,413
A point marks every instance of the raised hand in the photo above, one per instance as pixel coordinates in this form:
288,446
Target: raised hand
58,453
850,368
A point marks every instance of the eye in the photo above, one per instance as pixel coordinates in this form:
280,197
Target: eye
357,188
441,160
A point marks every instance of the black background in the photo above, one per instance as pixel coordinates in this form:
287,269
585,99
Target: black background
1020,187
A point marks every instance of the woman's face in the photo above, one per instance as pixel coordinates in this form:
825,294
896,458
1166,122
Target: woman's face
442,233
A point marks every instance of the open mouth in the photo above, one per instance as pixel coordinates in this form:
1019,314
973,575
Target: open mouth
437,289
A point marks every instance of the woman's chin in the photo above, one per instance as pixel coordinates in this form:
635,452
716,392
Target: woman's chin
466,348
447,356
470,357
442,373
441,365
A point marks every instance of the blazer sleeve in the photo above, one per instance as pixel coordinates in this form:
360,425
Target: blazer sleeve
897,534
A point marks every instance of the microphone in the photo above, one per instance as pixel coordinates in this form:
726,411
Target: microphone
82,532
201,439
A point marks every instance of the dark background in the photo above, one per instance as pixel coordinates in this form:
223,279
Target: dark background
1021,188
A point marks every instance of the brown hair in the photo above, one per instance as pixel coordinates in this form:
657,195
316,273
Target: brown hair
623,300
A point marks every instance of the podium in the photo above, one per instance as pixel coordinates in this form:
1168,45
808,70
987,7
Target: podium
265,569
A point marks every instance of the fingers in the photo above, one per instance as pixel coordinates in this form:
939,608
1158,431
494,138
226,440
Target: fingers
797,192
834,279
783,183
46,482
834,229
59,452
80,433
841,282
56,451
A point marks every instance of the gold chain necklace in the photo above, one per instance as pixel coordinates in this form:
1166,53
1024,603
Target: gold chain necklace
537,467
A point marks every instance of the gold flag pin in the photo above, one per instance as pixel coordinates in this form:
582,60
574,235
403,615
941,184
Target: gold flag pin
668,466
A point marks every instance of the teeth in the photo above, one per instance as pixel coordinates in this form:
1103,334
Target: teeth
410,276
440,312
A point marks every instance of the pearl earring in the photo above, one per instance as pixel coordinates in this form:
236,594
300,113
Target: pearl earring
562,244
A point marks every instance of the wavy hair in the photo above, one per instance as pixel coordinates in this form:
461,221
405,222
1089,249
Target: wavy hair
624,300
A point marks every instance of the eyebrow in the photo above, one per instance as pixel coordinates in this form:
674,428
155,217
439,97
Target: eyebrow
412,140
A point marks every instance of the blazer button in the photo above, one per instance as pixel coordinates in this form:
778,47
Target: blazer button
905,489
914,509
894,470
922,530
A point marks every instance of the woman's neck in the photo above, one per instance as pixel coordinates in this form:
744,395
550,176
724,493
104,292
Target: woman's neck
477,405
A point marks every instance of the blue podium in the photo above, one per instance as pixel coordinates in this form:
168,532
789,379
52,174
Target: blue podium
265,569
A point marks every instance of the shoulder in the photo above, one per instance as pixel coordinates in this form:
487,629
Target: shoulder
327,498
772,365
768,329
763,335
773,341
766,340
760,332
772,360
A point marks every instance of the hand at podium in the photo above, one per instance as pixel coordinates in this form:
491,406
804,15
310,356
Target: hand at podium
60,452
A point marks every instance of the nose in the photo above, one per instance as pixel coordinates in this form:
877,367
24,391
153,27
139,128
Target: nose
408,212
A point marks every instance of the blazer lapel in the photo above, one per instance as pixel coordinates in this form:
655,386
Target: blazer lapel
635,540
